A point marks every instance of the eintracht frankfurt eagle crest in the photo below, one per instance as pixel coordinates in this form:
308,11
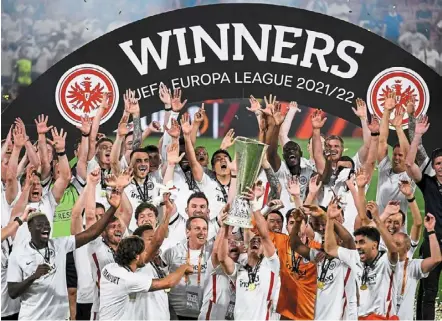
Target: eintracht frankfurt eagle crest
79,93
406,83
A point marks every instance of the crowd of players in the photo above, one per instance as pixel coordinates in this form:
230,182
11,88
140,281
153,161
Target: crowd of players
148,234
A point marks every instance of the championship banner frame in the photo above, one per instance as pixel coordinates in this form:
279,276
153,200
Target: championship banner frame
233,51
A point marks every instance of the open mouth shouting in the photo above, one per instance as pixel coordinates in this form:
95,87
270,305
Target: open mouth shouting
362,255
45,233
143,169
255,244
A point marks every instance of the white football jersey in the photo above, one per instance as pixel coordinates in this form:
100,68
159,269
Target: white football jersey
119,286
99,255
9,306
379,296
330,294
150,305
47,297
215,193
257,302
406,286
219,290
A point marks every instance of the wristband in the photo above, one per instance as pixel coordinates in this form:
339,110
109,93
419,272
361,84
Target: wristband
265,210
411,200
18,220
431,232
167,107
85,135
60,154
375,134
232,176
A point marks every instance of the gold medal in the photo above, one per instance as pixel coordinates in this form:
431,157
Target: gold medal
364,287
320,285
252,286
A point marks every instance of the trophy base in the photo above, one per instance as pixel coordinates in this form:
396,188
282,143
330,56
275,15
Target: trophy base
239,214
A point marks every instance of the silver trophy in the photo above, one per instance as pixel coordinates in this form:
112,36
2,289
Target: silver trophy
249,154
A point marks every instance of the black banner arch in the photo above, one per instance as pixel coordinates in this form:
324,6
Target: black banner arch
232,51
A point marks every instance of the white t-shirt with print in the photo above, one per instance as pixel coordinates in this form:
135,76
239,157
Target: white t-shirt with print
388,187
214,193
331,298
380,283
150,305
219,291
47,297
405,298
255,304
175,257
7,208
118,287
47,206
9,306
99,255
180,182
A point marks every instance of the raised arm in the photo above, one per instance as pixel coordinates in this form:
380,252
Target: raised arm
96,229
228,140
23,199
295,241
412,169
30,149
362,180
96,125
370,163
162,229
361,112
431,262
78,209
294,190
261,224
132,107
85,129
416,228
11,174
122,131
42,128
220,236
273,134
275,185
285,127
12,227
397,123
333,212
386,236
389,105
421,152
198,119
318,151
197,169
226,262
330,244
64,177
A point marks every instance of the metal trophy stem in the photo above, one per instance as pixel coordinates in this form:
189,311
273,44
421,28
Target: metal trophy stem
249,154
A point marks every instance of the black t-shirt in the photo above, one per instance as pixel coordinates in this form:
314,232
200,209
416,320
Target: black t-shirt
432,191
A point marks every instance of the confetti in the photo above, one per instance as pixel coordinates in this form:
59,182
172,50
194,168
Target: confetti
350,11
119,12
236,116
87,28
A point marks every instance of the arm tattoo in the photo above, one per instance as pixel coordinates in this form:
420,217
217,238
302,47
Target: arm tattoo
137,133
274,184
421,154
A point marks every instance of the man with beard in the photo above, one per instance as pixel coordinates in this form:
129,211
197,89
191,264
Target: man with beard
374,268
216,188
409,271
32,192
392,172
186,296
122,283
219,290
431,187
294,165
257,283
36,270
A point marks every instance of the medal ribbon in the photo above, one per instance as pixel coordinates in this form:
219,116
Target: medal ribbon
324,269
369,267
144,194
157,269
295,262
46,257
404,278
252,272
199,264
111,249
